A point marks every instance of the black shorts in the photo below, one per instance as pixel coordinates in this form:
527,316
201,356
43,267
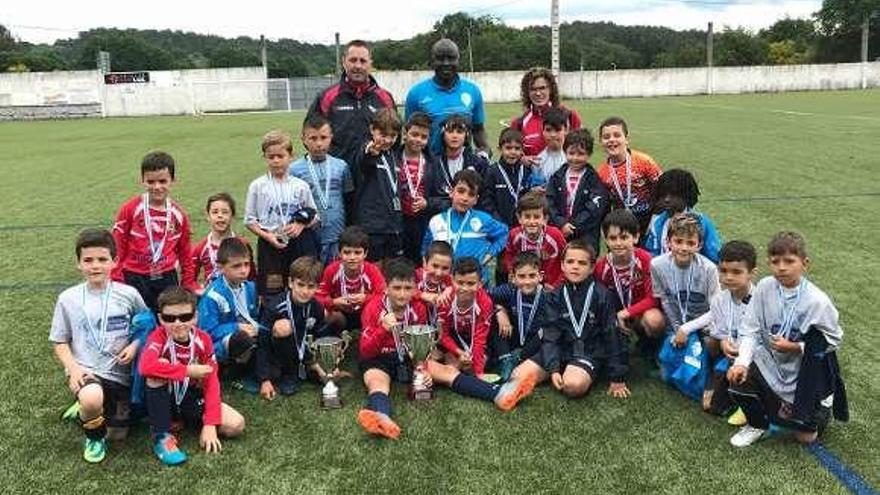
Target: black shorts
150,287
413,234
391,365
588,364
190,409
276,262
384,246
117,401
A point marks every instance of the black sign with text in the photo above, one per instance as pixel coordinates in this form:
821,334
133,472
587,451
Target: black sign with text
127,78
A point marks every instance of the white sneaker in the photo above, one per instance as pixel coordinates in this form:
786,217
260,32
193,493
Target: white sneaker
746,436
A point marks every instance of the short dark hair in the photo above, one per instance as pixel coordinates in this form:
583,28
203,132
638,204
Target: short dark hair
438,248
579,138
457,121
466,265
509,135
354,236
221,196
678,183
399,269
556,118
787,242
743,251
532,200
580,245
386,120
155,161
176,295
418,119
358,43
314,121
685,224
623,219
469,178
306,269
614,121
100,238
526,258
232,247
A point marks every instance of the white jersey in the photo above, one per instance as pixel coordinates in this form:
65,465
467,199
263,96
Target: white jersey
550,161
272,203
792,313
684,292
78,321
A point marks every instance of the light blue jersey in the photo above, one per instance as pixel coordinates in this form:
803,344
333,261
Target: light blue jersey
329,180
463,98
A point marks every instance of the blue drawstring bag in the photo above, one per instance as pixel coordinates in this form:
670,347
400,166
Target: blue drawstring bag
685,368
142,324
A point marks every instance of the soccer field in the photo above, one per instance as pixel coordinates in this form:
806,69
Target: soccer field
802,161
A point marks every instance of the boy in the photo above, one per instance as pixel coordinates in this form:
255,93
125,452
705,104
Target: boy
90,337
381,354
579,335
507,179
282,350
348,282
520,300
627,270
152,234
786,371
457,155
630,175
280,210
329,179
535,236
416,172
182,380
578,200
464,321
736,269
228,309
555,128
470,232
379,210
433,279
221,210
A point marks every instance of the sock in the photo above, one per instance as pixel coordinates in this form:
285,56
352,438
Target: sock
474,387
158,410
379,402
283,349
752,407
95,428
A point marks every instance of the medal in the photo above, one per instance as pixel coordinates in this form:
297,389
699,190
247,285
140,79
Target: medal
788,316
392,181
278,198
473,310
454,238
514,192
240,297
524,329
413,188
180,387
683,308
618,283
156,249
572,191
627,201
323,195
300,343
526,244
99,334
578,324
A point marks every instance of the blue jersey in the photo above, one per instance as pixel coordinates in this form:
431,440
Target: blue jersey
655,239
221,310
328,195
474,233
463,98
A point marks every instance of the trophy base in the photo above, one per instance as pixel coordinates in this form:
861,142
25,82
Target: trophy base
420,394
331,402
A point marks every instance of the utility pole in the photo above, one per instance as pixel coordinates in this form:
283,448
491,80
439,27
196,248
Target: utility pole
338,56
470,48
263,56
709,59
865,25
554,37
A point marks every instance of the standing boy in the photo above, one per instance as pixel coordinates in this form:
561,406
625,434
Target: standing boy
91,340
457,155
416,172
555,128
152,234
507,179
220,208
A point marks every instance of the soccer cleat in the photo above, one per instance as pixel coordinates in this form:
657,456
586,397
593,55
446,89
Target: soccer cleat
94,450
71,413
738,418
508,363
746,436
514,391
287,385
376,423
167,451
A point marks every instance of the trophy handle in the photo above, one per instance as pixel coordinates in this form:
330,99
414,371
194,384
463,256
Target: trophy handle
346,340
310,342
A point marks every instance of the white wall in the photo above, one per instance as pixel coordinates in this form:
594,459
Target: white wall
49,88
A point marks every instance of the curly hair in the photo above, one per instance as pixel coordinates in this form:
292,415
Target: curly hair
526,85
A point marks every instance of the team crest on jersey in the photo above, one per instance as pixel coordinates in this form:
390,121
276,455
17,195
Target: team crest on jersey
466,99
476,224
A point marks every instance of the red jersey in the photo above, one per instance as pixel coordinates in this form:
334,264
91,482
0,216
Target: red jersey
644,173
334,283
204,257
467,329
375,340
412,182
632,279
158,361
548,246
169,233
531,124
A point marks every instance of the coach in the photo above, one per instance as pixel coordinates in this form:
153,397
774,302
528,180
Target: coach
447,94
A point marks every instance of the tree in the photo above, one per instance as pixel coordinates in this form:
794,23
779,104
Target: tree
737,47
845,16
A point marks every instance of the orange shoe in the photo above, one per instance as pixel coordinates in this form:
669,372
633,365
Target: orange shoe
514,391
376,423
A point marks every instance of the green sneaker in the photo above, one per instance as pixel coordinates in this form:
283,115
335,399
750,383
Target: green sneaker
71,413
94,451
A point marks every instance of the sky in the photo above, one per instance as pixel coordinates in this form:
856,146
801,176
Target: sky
317,21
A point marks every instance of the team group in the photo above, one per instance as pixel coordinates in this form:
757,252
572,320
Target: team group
415,226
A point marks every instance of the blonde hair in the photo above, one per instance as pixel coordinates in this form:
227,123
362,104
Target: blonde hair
277,138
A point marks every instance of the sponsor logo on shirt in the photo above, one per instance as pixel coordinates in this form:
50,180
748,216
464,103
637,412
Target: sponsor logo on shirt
466,99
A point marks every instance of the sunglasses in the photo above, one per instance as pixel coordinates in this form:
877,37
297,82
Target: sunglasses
183,317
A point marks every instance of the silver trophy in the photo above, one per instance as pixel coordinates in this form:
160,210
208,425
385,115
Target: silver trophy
281,236
328,352
419,341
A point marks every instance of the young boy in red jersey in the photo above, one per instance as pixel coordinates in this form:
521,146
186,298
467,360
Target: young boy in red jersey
182,383
629,175
578,200
152,234
534,235
221,210
382,355
349,282
416,171
433,279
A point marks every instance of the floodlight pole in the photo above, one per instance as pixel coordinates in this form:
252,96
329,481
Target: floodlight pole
554,37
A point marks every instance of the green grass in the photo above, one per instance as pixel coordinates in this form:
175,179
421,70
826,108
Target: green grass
59,176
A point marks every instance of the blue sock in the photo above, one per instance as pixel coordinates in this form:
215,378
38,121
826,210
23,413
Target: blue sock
379,402
474,387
